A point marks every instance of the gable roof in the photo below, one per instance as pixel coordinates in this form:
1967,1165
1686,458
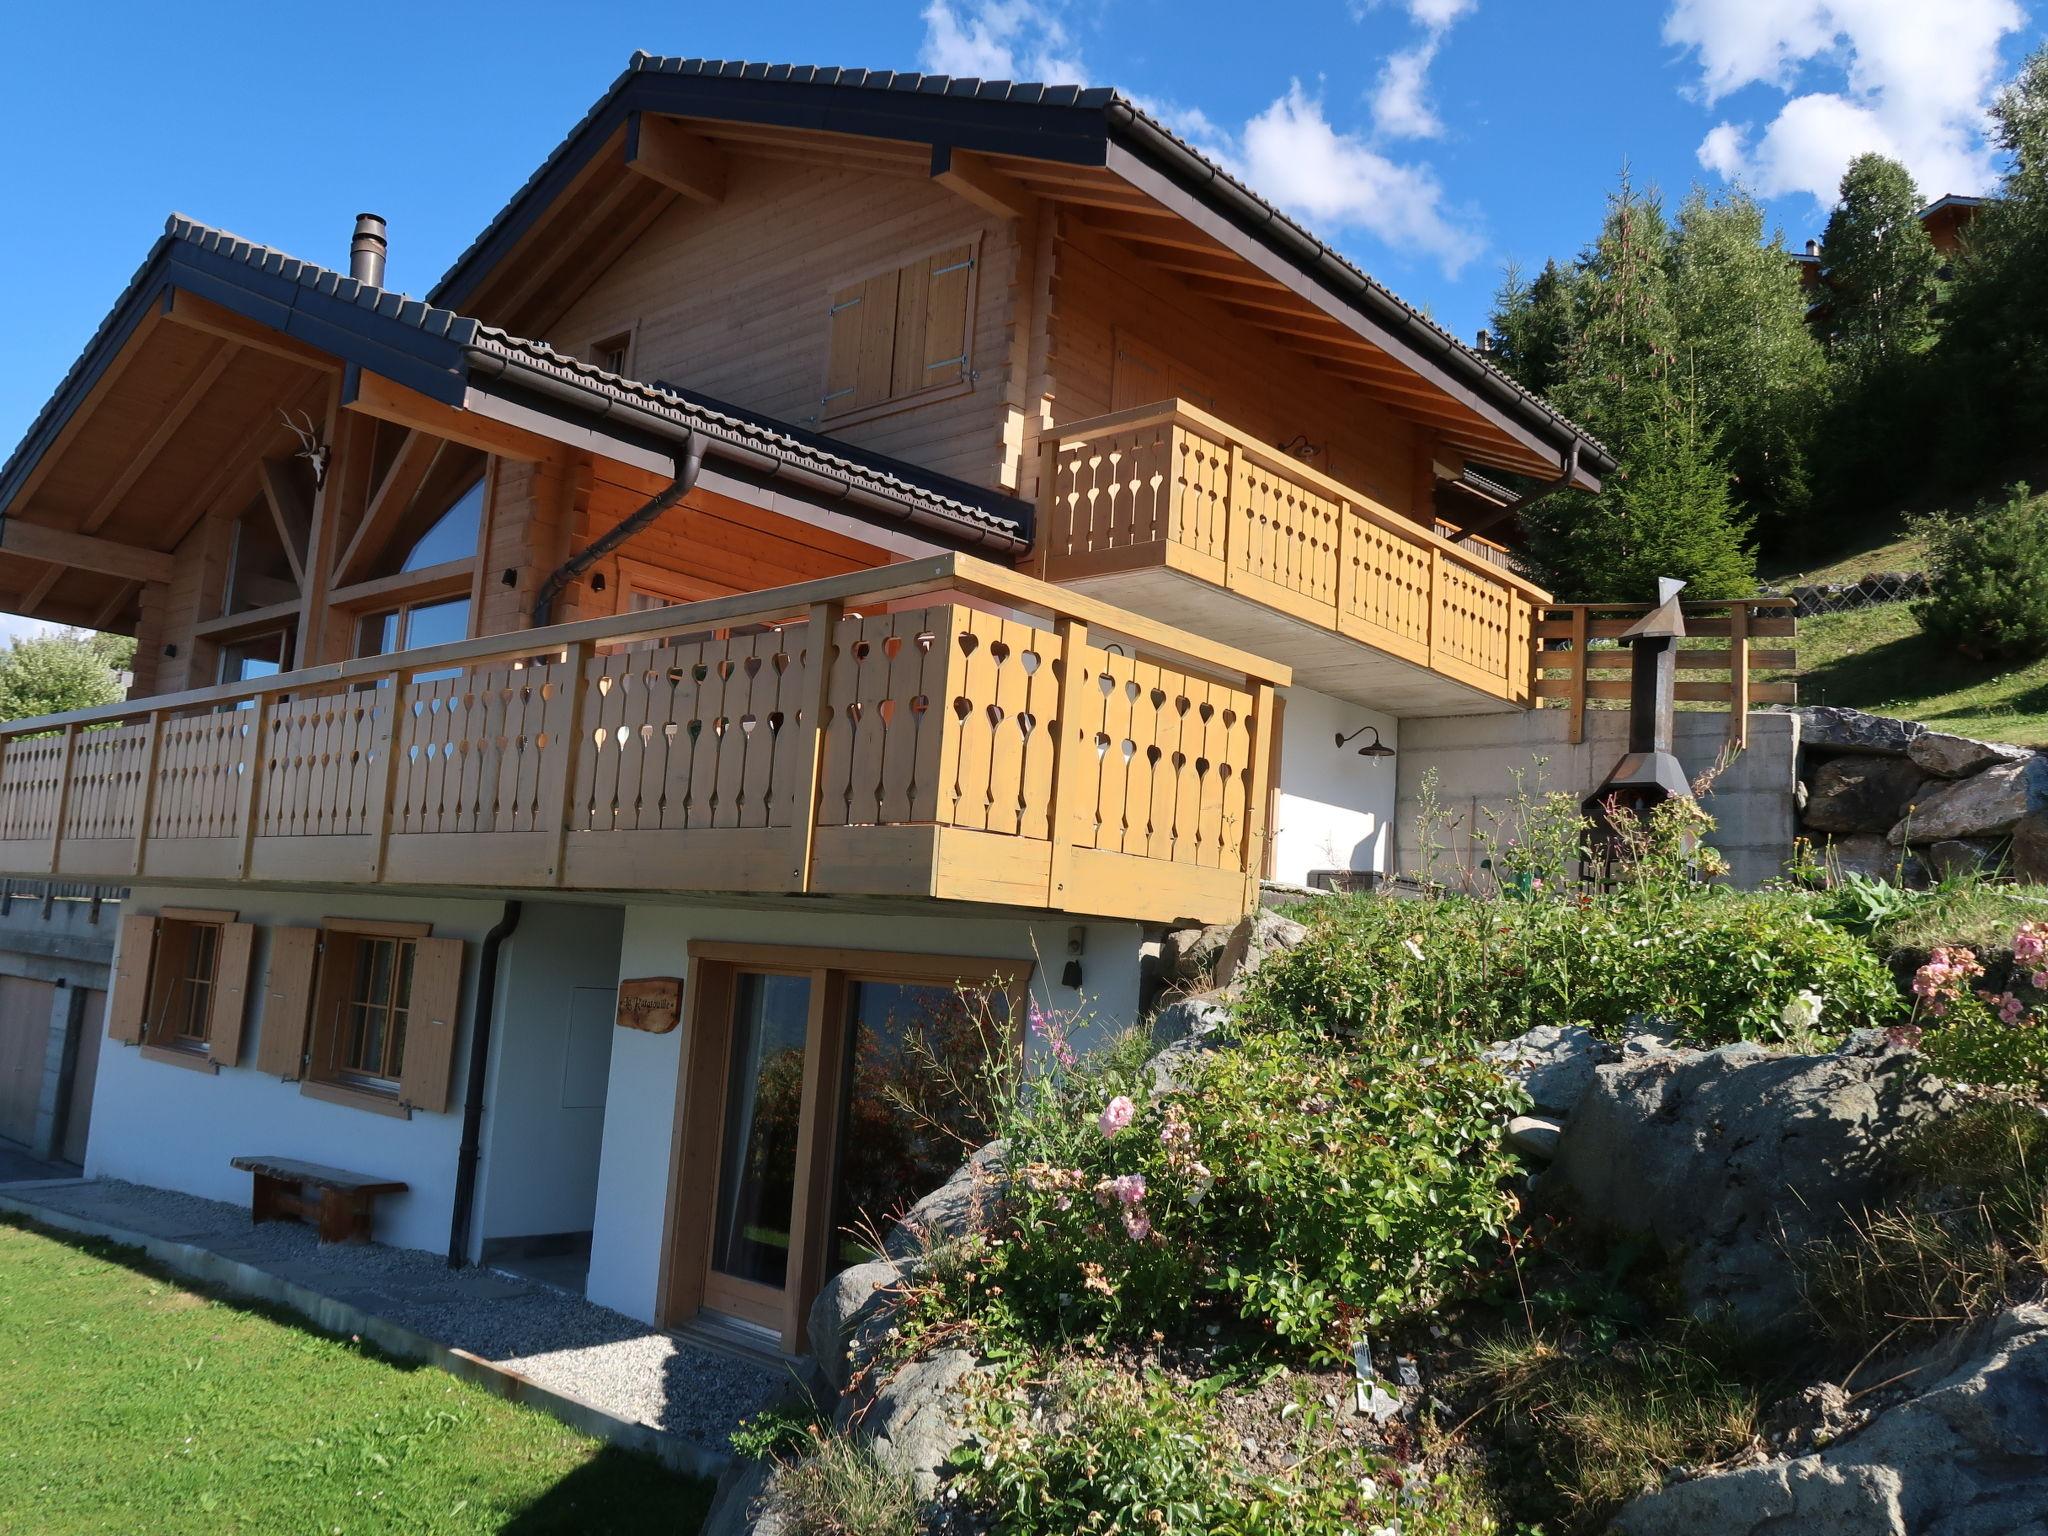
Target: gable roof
453,358
1073,125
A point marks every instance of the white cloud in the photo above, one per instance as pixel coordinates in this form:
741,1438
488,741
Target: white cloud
1289,153
1401,108
1000,40
13,627
1916,77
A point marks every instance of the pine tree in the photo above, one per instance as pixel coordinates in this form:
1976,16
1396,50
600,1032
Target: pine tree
1741,316
1534,325
1995,341
1880,269
1666,510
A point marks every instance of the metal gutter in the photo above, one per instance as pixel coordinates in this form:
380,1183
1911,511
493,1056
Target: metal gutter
671,428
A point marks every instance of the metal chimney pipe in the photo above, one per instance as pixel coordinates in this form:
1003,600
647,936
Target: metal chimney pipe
366,250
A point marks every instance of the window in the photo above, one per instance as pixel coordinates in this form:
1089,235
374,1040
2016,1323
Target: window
255,656
364,1013
900,333
412,627
260,572
452,535
613,353
180,984
372,1023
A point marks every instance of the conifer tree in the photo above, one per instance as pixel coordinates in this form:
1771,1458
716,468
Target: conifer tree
1534,324
1666,511
1880,269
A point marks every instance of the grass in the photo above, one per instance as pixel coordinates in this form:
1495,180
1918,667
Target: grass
1877,659
136,1403
1976,913
1887,546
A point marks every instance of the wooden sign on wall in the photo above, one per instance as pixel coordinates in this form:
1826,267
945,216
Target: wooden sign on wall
651,1003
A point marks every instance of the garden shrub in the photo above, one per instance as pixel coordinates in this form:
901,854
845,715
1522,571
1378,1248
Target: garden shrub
1717,965
1990,580
1970,1035
1315,1187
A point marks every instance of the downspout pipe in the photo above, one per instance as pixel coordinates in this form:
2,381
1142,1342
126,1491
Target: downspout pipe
471,1153
1529,498
597,549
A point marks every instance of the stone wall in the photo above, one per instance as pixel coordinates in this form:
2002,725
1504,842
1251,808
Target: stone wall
1753,800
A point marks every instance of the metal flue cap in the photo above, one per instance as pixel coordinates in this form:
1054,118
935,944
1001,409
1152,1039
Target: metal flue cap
367,250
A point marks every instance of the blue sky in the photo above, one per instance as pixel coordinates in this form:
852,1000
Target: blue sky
1434,140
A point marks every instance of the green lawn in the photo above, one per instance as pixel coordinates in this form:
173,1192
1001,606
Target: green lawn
130,1402
1877,659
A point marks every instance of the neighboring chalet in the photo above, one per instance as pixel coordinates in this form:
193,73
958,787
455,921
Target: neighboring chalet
937,541
1944,219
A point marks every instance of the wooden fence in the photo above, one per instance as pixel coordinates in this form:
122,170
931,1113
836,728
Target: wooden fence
1581,662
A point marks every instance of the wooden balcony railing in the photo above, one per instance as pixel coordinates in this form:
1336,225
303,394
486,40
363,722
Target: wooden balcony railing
1581,665
1169,485
940,728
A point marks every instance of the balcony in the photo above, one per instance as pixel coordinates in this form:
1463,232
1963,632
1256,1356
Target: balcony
939,729
1172,513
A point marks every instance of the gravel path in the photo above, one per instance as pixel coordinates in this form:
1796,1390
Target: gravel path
558,1339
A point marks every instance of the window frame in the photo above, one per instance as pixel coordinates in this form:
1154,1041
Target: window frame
853,415
181,931
709,992
327,1076
624,341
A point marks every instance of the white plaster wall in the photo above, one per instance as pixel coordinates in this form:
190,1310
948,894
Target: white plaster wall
1753,799
646,1077
157,1123
550,1064
1335,808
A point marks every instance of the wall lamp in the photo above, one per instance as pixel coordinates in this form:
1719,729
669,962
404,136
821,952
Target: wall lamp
1373,748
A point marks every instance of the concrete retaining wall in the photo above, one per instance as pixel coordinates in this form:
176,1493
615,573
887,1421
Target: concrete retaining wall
1475,756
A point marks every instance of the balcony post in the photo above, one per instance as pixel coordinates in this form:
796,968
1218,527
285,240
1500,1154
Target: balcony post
1738,674
63,796
1070,761
385,787
820,631
1577,675
1265,753
1048,500
145,805
252,771
558,774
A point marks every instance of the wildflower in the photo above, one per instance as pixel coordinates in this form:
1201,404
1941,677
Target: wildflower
1129,1187
1945,977
1049,1029
2010,1009
1137,1223
2030,952
1904,1037
1803,1012
1413,944
1117,1115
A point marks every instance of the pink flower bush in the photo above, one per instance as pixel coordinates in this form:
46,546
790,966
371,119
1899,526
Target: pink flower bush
2030,952
1945,978
2010,1009
1054,1033
1117,1115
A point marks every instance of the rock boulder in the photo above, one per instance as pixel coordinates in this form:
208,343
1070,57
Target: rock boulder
965,1203
1957,757
1850,730
1986,804
1254,941
918,1418
1730,1158
1861,793
1870,855
1553,1063
1964,1458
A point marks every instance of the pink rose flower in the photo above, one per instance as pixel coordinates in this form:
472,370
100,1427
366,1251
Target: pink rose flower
1117,1115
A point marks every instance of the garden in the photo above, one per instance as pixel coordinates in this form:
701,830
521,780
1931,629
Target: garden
1290,1276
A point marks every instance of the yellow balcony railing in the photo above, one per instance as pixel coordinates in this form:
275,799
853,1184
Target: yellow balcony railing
1171,486
942,728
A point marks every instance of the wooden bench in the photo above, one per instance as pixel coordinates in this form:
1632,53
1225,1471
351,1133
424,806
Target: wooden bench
340,1209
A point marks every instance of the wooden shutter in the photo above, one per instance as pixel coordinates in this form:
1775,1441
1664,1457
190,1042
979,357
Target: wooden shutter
863,336
932,321
128,1001
287,1001
231,959
432,1012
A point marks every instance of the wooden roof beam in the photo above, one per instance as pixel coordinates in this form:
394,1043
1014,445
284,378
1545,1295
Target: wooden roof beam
197,314
544,269
378,396
663,150
32,599
239,463
969,175
394,496
62,548
102,387
166,429
289,510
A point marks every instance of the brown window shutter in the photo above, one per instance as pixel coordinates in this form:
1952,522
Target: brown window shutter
230,992
287,1001
431,1015
842,372
946,281
912,290
128,1002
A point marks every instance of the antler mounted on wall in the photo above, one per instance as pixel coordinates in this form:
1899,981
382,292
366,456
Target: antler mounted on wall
311,449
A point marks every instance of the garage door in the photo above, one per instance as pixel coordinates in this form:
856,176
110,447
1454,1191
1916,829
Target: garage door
24,1038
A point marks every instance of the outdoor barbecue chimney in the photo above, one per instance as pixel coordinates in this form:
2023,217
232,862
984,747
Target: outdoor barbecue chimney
1648,773
366,250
